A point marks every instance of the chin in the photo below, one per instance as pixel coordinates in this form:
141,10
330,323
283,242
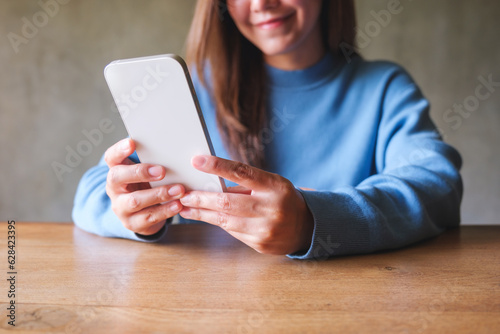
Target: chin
275,50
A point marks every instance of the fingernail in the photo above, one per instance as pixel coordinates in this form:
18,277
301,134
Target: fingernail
186,199
155,171
174,191
174,206
199,161
124,145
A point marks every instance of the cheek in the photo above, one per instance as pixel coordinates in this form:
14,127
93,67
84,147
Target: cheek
239,10
311,10
304,4
308,10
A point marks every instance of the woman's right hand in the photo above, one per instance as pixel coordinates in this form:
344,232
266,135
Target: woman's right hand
139,207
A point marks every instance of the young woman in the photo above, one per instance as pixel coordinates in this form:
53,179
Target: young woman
328,154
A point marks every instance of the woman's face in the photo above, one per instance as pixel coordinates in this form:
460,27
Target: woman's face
277,27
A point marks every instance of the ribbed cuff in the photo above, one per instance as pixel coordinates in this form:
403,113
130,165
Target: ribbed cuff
339,226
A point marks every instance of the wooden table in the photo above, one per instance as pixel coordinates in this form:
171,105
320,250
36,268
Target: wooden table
201,280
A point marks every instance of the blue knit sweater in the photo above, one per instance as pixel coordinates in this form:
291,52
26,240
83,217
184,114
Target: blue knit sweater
360,135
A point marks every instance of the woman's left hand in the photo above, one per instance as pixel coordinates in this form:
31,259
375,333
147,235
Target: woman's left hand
265,211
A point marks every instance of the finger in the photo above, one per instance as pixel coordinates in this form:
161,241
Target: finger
245,175
223,220
239,190
142,221
119,152
141,199
234,204
120,175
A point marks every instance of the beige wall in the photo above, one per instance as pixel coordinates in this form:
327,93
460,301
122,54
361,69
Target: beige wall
52,89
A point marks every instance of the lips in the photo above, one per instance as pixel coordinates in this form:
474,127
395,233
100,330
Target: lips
273,22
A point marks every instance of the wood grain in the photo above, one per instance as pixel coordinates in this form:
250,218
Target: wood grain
201,280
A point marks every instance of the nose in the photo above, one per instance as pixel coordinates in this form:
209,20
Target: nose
261,5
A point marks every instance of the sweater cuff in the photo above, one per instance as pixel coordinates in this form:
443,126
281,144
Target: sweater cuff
339,227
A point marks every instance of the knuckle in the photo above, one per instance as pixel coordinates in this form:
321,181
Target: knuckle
223,202
195,199
161,194
132,201
222,220
243,171
150,218
215,163
138,170
266,235
276,214
281,185
256,207
280,216
112,176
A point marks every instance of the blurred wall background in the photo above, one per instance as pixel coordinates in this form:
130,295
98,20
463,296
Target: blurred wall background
53,96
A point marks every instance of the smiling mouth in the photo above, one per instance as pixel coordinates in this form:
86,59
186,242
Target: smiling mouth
274,23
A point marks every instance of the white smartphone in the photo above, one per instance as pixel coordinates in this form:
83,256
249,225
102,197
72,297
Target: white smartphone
157,103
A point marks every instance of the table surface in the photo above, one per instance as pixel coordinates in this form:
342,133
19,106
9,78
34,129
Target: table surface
200,279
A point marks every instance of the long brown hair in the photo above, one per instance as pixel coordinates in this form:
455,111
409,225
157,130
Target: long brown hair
237,74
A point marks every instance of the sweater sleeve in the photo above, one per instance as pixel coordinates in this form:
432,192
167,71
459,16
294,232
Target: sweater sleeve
414,194
92,207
